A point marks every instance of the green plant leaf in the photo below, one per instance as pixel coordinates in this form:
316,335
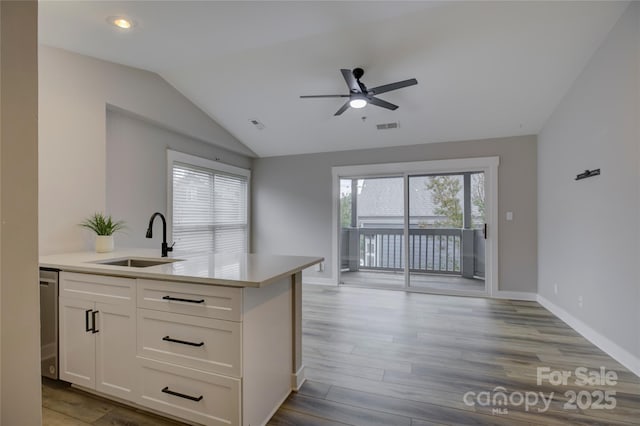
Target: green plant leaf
103,225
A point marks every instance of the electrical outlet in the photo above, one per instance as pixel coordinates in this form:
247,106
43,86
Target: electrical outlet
555,288
580,300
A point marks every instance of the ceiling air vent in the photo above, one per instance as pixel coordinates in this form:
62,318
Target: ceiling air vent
384,126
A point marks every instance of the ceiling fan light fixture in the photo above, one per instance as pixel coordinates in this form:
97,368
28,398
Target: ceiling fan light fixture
359,96
358,102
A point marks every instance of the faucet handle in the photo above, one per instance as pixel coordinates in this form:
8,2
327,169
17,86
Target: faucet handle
170,248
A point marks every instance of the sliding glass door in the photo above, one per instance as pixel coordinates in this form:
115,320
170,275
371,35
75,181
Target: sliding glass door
372,222
425,232
446,232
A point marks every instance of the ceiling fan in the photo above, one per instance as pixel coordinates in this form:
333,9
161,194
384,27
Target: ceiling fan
359,96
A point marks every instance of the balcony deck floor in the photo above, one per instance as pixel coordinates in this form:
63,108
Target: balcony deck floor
419,281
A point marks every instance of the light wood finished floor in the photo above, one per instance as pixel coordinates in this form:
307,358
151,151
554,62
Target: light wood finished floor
389,358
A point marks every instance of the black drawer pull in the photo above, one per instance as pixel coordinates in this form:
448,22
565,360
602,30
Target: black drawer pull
177,299
183,342
93,322
86,320
181,395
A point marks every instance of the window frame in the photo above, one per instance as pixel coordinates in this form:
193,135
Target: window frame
214,166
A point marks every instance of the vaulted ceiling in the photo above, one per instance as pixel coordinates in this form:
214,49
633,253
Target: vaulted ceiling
484,69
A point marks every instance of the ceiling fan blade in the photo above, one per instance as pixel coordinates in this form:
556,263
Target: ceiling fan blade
383,104
342,109
393,86
352,83
324,96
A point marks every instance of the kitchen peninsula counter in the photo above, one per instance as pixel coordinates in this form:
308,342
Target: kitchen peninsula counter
212,339
236,270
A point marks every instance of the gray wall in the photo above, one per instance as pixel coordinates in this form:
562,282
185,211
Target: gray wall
588,230
137,172
292,200
74,92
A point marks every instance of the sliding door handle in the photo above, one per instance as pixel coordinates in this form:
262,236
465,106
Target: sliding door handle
484,231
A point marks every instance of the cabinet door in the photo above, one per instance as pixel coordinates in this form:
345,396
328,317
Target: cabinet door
203,343
191,299
194,395
77,345
98,288
116,350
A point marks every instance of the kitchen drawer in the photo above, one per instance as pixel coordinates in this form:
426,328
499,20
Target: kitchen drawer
203,343
199,300
98,288
206,398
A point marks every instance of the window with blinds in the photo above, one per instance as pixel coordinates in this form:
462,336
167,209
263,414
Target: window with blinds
209,209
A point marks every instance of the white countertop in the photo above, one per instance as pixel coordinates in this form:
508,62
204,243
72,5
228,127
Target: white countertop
237,270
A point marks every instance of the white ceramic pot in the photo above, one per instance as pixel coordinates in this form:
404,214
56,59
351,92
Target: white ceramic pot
104,243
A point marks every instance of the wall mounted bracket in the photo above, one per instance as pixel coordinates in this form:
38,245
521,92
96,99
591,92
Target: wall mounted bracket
588,174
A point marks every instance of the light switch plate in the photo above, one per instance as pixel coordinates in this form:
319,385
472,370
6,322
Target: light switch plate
509,216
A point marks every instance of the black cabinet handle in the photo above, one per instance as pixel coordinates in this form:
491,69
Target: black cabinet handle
183,342
181,395
93,322
177,299
86,320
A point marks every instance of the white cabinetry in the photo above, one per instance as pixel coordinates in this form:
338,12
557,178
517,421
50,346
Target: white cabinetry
203,343
77,343
97,333
212,354
208,354
190,350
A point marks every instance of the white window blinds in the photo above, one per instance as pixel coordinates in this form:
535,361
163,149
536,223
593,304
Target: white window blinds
209,209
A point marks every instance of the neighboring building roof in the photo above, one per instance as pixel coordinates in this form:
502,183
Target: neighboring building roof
384,197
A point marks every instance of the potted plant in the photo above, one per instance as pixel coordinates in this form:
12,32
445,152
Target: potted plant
104,227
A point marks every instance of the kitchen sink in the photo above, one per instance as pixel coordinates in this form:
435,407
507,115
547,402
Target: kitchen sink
136,262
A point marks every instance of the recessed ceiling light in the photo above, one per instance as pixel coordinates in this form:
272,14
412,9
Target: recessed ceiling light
121,22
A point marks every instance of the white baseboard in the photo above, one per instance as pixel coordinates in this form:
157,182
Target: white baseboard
616,352
319,281
516,295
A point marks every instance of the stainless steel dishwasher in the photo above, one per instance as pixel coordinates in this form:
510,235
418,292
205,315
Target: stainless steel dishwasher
49,322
